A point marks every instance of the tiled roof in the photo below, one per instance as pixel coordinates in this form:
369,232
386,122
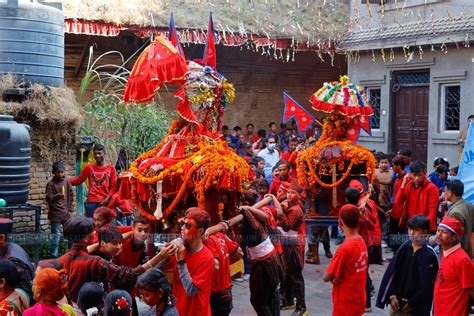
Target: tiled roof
422,30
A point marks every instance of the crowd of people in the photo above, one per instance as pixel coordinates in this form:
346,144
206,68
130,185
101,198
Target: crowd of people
113,258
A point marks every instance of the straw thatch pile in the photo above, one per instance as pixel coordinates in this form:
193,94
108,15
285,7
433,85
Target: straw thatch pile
46,105
301,19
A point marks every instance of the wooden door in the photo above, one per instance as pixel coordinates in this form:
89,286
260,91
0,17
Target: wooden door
410,126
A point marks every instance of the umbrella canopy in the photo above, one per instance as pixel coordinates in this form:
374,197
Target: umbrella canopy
342,96
158,64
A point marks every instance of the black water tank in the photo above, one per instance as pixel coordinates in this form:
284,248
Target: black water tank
14,160
32,42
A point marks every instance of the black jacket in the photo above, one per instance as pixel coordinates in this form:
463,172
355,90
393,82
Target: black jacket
411,276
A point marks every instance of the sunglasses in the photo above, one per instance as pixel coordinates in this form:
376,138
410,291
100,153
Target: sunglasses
185,225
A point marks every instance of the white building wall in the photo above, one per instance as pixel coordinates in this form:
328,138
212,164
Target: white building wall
456,66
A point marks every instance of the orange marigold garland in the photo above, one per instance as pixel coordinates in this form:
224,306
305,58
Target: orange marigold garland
311,165
211,161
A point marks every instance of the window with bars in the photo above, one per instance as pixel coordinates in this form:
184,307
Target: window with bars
373,95
450,107
412,78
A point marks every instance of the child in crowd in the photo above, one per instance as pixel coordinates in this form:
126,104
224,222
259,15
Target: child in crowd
49,286
118,303
435,177
291,220
55,264
104,217
110,242
91,299
102,180
407,285
348,269
155,291
60,197
123,208
383,175
134,251
263,189
12,298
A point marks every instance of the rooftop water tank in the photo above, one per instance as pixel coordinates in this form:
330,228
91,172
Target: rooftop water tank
32,41
14,160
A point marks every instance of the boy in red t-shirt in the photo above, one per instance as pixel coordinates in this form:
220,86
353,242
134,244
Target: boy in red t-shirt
226,251
102,181
193,266
455,281
348,269
290,222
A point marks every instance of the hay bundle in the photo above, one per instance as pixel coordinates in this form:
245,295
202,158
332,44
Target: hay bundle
45,105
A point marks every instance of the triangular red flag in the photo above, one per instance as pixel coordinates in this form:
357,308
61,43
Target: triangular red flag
364,122
294,110
173,36
210,53
352,132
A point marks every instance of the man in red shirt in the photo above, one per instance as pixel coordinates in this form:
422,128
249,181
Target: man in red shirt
283,176
193,266
102,181
394,237
348,269
250,136
290,222
133,248
455,281
226,251
418,195
292,144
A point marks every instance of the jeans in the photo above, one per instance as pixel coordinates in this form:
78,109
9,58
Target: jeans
90,208
56,230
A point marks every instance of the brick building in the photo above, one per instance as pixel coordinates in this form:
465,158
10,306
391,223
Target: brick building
259,81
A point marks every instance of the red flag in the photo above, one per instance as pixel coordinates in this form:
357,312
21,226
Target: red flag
210,53
352,132
294,110
365,123
173,36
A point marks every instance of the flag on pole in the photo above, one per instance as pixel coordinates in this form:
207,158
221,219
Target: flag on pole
210,54
173,36
466,168
294,110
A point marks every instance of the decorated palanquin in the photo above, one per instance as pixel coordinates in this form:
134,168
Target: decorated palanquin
192,166
327,167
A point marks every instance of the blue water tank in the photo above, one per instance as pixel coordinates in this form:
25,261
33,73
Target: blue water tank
15,155
32,42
